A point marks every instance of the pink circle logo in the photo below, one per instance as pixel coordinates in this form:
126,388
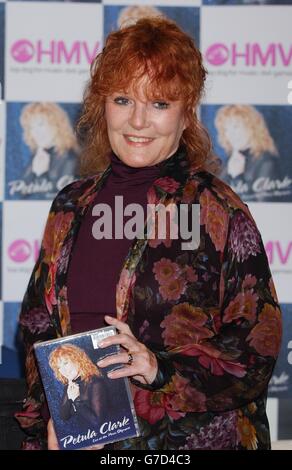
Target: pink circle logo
217,54
19,251
22,50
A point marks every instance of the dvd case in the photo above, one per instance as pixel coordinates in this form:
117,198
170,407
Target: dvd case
86,406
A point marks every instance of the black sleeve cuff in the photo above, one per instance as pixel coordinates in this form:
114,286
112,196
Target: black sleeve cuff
164,373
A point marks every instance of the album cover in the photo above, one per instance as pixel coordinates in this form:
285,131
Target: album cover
86,406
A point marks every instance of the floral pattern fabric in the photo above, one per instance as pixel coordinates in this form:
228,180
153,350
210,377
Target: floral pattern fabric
210,315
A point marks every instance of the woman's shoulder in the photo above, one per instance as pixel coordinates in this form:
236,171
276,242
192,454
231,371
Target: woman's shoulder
76,192
97,383
211,187
79,185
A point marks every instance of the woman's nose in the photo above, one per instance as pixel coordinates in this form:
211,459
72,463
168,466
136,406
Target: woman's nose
139,118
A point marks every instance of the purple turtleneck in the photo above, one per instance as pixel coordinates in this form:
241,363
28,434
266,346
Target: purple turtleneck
96,264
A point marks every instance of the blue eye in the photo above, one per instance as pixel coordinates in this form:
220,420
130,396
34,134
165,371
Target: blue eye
161,104
121,100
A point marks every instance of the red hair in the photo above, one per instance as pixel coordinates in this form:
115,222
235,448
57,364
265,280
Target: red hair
87,369
155,47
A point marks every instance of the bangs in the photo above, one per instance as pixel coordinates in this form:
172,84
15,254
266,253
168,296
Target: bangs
155,86
158,77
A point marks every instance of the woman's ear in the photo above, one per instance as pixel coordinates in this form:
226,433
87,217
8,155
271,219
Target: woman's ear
187,118
186,123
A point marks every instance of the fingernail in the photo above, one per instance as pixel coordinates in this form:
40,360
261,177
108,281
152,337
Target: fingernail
99,363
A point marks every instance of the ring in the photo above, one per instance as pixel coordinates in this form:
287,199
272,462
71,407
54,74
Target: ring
130,359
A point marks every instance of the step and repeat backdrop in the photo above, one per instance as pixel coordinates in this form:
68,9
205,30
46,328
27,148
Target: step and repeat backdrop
46,49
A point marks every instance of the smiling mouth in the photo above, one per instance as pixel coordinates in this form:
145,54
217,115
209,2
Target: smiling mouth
138,140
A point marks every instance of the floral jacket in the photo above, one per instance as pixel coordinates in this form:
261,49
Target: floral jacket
210,315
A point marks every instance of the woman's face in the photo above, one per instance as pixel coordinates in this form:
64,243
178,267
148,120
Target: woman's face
68,368
41,131
143,132
237,133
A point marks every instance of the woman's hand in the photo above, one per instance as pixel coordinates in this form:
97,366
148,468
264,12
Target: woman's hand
53,443
73,391
144,364
52,438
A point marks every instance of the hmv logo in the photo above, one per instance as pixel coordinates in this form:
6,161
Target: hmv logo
54,52
279,252
249,54
21,250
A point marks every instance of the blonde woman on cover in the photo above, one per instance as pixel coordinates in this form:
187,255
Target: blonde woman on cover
252,153
131,14
48,133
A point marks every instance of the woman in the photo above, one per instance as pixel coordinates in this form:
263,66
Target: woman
50,137
84,393
199,328
252,155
